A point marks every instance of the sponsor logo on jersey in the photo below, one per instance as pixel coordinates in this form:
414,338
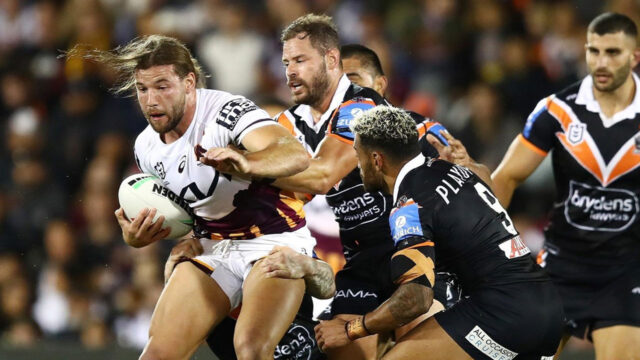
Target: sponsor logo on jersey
298,343
514,248
159,167
636,141
361,294
596,208
165,192
183,163
405,220
483,342
233,111
352,208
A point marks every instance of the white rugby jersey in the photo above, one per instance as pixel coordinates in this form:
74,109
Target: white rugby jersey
224,207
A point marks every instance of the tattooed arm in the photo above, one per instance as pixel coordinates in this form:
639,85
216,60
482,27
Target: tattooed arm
408,302
284,262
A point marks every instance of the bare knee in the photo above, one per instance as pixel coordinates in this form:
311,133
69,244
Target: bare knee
248,348
156,351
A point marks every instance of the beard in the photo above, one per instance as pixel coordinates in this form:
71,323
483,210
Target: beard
173,118
372,182
617,79
317,89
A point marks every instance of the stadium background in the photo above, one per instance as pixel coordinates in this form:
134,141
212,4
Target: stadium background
71,289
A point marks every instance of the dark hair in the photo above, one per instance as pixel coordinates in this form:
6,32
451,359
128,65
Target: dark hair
320,29
388,129
366,56
143,53
609,23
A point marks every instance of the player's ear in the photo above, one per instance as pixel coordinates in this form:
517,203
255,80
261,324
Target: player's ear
190,81
380,84
378,160
636,57
333,58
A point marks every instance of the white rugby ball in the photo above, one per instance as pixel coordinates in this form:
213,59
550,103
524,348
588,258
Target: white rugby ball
141,191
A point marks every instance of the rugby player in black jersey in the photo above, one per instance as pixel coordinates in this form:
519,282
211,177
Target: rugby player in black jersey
592,244
363,67
446,218
326,102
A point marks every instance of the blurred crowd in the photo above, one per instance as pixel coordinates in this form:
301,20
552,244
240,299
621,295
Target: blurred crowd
477,66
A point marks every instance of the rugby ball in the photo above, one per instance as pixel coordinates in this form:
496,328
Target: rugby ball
141,191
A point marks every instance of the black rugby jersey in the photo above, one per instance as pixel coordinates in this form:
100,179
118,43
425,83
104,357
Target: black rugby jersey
362,216
447,207
595,163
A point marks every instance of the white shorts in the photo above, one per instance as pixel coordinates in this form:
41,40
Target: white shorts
231,260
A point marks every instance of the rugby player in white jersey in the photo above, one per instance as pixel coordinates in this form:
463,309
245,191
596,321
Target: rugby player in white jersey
187,145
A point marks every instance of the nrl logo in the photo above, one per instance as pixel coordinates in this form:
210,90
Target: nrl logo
576,133
159,167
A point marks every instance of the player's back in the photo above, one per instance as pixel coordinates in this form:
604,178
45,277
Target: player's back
472,234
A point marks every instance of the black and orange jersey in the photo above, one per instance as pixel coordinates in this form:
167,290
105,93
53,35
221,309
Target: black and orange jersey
362,216
444,214
596,163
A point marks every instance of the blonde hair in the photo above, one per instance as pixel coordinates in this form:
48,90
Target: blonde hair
143,53
389,129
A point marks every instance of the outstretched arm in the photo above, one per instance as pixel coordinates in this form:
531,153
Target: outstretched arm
456,153
334,159
272,152
516,166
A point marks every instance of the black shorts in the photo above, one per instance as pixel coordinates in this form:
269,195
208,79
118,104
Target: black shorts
365,282
299,342
596,296
512,321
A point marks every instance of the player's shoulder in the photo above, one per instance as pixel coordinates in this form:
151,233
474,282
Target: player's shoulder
569,93
424,180
356,93
146,139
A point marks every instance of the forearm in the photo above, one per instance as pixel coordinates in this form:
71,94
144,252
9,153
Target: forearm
407,303
316,179
503,186
482,171
319,280
283,158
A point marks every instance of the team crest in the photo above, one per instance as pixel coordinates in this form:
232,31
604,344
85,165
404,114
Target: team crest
576,133
159,167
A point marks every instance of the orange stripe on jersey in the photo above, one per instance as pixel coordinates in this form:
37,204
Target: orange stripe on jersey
203,264
360,101
583,155
255,230
424,266
289,220
426,243
217,236
422,129
531,146
344,140
283,120
629,161
559,113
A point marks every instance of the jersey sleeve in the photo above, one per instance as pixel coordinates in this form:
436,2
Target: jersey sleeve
239,116
428,126
411,230
138,153
539,131
343,115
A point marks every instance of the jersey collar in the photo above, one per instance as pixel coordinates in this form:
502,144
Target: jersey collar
304,111
412,164
586,97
